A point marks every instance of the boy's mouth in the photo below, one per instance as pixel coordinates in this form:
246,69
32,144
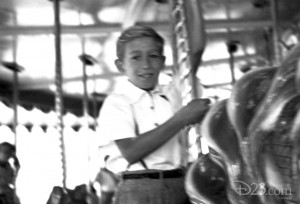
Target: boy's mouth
146,75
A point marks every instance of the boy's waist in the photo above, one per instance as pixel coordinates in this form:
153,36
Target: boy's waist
154,174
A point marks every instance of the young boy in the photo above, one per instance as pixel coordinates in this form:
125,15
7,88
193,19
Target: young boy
142,127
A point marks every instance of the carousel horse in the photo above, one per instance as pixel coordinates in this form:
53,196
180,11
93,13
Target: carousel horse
255,138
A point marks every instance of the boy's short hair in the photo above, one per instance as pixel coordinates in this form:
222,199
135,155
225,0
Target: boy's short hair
134,32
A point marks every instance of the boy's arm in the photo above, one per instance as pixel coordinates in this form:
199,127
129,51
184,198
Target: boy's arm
135,149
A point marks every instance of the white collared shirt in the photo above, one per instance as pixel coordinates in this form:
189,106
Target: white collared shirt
130,112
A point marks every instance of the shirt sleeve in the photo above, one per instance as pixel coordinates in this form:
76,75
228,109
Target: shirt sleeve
115,119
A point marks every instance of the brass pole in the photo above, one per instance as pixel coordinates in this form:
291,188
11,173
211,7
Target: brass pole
58,85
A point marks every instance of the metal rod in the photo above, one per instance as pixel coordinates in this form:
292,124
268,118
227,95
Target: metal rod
274,12
105,29
86,115
15,104
84,61
231,64
15,87
58,85
95,112
85,91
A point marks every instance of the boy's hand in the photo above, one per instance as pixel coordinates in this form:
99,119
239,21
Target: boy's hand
194,111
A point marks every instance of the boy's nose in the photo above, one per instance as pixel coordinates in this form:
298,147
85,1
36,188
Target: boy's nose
146,64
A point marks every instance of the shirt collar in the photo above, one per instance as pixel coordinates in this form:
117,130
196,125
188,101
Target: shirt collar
133,92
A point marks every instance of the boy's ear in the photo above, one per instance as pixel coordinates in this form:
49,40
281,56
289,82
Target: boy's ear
119,65
163,59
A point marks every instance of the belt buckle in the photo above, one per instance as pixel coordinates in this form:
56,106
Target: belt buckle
161,174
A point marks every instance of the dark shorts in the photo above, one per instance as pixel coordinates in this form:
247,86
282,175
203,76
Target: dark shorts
152,187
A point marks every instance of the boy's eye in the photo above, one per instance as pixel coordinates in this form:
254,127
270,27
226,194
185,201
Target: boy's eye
154,56
135,57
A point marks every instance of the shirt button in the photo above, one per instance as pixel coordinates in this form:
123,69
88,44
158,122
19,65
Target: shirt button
152,107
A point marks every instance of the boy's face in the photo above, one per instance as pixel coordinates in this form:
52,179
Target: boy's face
142,62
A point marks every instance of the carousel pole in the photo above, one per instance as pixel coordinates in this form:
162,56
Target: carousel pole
181,61
58,85
232,48
84,59
188,46
85,62
94,99
15,104
16,86
276,45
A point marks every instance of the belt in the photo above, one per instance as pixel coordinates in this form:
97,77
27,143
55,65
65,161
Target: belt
176,173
